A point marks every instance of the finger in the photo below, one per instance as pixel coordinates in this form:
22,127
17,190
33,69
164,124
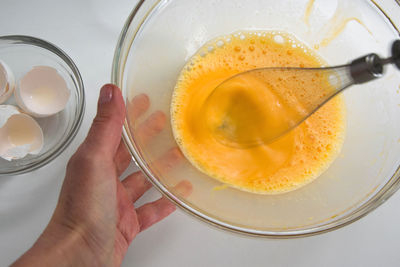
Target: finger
146,131
136,184
123,158
137,106
169,160
153,125
154,212
105,133
183,188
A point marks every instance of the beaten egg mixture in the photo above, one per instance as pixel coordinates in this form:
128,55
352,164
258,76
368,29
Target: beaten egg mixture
286,164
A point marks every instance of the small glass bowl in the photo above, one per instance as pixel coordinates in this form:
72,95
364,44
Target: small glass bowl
21,53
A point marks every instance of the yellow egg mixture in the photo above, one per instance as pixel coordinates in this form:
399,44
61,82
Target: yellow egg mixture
288,163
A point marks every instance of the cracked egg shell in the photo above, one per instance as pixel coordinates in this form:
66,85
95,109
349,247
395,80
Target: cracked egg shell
7,82
20,134
42,92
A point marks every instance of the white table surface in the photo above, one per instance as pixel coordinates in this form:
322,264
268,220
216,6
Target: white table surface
87,30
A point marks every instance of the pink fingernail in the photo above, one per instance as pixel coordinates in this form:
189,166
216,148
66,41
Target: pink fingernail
106,94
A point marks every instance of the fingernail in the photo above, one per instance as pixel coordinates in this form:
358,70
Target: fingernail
106,94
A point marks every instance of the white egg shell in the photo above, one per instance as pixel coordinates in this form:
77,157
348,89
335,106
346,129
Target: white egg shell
42,92
6,111
20,134
7,82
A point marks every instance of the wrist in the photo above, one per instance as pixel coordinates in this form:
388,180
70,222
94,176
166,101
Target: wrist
59,246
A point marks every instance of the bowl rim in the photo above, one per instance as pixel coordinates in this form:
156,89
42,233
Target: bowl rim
384,193
34,41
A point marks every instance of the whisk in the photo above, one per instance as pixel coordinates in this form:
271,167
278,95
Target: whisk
292,104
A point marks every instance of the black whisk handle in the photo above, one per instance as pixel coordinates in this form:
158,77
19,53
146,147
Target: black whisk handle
396,53
366,68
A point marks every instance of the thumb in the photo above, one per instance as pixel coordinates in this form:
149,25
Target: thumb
105,134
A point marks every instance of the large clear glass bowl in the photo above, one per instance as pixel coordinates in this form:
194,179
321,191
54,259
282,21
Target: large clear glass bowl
160,36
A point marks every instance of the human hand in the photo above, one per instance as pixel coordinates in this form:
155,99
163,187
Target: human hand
95,219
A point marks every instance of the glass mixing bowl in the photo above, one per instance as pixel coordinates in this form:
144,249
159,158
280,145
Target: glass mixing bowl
161,36
22,53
